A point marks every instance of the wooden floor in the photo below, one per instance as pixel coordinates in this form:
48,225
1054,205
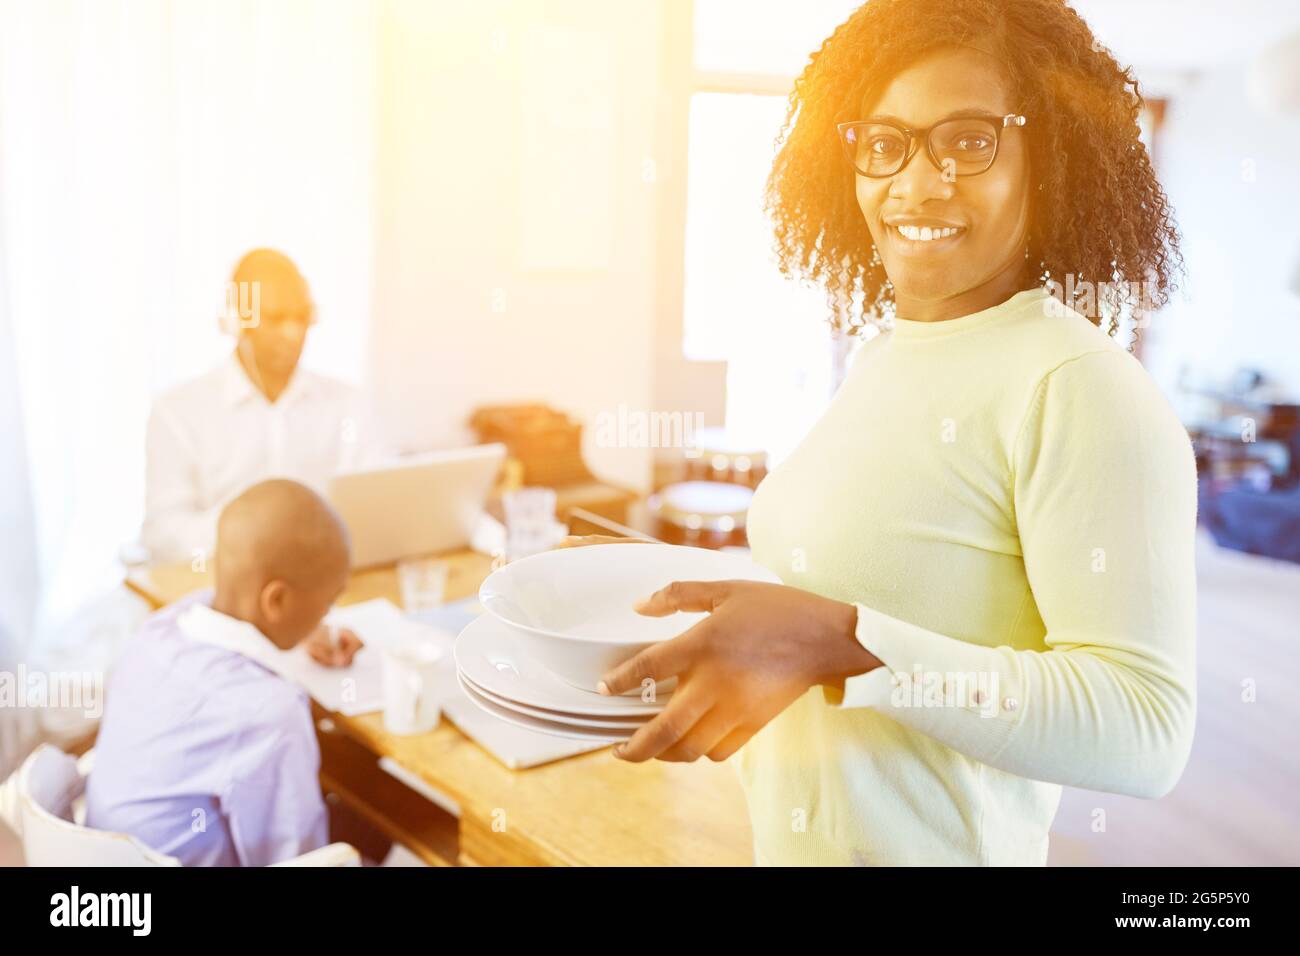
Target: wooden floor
1238,802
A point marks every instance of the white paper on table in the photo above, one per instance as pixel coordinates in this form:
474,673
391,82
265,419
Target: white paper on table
358,688
516,747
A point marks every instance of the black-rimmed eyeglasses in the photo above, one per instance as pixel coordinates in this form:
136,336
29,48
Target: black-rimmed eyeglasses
958,146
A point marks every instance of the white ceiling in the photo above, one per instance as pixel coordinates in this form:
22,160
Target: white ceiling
1188,35
1167,42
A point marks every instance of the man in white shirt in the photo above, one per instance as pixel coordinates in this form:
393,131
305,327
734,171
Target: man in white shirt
254,417
204,752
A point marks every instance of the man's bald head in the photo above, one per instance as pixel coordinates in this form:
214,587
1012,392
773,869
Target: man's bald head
268,266
280,542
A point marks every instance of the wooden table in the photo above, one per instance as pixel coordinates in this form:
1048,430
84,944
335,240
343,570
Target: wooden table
590,810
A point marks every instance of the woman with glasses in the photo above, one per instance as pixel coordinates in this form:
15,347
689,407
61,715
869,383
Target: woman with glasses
986,543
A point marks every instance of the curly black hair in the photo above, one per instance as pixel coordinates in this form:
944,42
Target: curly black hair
1099,219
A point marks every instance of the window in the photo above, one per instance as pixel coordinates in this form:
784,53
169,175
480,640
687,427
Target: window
771,331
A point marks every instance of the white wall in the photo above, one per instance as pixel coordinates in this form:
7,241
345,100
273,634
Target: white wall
1231,173
18,577
461,318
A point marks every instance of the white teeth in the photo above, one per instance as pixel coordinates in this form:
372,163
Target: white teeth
926,233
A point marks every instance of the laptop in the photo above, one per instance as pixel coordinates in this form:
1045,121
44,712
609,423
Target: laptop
418,505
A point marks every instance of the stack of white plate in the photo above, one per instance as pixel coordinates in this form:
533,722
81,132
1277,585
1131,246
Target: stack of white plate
556,622
500,677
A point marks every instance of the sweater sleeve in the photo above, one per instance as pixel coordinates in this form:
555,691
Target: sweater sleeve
1104,486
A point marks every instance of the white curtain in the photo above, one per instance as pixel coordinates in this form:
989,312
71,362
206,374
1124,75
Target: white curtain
144,145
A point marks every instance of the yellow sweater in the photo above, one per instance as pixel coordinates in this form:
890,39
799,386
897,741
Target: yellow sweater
1011,504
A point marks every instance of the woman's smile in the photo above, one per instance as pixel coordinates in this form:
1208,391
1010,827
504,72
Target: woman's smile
923,235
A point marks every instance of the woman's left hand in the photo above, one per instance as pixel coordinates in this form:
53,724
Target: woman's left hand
761,647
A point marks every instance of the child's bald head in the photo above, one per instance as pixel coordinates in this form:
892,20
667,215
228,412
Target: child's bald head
282,559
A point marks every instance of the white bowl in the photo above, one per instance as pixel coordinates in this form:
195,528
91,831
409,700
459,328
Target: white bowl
572,607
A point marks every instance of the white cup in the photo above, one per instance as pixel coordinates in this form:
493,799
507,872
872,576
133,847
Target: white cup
410,681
